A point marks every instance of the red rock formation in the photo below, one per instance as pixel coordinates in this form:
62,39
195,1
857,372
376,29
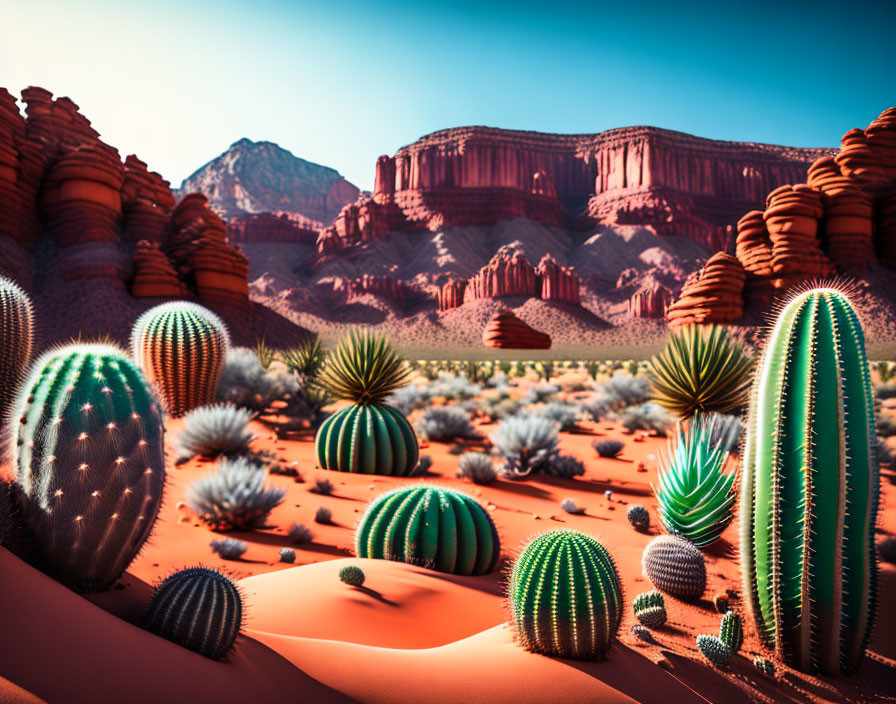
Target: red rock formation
557,283
792,219
886,228
505,275
359,222
712,295
652,300
154,277
506,331
754,248
847,231
272,227
451,295
384,285
146,199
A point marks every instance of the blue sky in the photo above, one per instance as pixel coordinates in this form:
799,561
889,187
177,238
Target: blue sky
340,82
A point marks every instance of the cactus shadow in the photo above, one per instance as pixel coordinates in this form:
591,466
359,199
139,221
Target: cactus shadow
374,594
520,486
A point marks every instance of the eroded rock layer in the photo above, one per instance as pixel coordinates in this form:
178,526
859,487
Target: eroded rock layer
506,331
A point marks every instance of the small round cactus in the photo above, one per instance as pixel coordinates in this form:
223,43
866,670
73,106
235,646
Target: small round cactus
287,555
639,517
650,609
714,650
352,575
675,566
731,631
199,609
764,665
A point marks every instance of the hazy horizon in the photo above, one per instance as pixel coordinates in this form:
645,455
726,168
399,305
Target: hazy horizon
341,84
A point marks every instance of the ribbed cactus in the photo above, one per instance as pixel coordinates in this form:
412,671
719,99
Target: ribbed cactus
199,609
16,341
650,609
181,348
565,596
369,437
810,486
639,517
714,649
431,526
675,567
89,462
764,665
731,631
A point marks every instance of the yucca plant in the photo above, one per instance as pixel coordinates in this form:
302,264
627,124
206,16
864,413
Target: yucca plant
701,370
265,353
368,437
695,494
306,359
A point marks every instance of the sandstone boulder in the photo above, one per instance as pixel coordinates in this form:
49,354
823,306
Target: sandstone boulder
506,331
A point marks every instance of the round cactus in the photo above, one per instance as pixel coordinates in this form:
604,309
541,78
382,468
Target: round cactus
430,526
565,596
181,347
714,650
17,341
352,575
675,567
89,462
650,609
731,631
639,517
199,609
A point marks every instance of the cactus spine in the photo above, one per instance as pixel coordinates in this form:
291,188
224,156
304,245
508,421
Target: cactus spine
199,609
565,596
89,462
430,526
181,348
17,340
810,486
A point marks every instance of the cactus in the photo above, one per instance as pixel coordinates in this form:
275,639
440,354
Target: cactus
17,341
639,517
714,650
731,631
642,633
181,348
287,555
810,488
565,596
368,437
650,609
764,665
199,609
675,567
431,526
352,575
89,462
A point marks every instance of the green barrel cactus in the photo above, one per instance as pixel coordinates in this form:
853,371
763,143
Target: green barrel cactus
199,609
431,526
731,631
368,437
181,347
714,649
89,462
565,596
809,490
17,340
650,609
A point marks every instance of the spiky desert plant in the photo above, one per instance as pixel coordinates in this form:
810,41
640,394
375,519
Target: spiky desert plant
810,488
199,609
352,575
209,431
695,495
246,383
323,515
324,487
477,467
181,347
566,415
17,340
764,665
639,517
234,496
650,609
305,360
443,423
675,566
89,462
607,448
528,443
565,466
647,416
431,526
731,631
300,534
714,650
229,548
565,596
701,370
265,353
368,437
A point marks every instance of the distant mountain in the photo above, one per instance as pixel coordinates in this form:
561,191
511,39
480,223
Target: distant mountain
262,177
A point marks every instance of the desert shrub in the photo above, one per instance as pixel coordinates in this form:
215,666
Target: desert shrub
565,467
209,431
725,431
234,496
423,465
477,467
442,423
565,414
608,448
300,534
570,506
540,393
352,575
624,390
454,388
410,398
528,443
647,416
229,548
323,515
886,425
323,487
245,382
287,555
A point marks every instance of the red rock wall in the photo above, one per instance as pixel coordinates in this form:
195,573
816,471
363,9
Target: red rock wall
271,227
505,275
652,300
451,295
557,283
384,285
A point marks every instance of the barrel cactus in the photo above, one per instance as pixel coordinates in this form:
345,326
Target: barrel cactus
89,462
199,609
565,596
714,649
675,567
181,347
809,491
368,437
639,517
17,341
731,631
431,526
650,609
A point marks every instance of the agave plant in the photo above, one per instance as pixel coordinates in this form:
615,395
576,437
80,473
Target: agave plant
701,370
694,493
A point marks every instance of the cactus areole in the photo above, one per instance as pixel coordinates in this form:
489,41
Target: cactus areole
810,488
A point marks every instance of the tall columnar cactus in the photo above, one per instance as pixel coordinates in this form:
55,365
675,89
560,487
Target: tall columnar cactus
430,526
565,596
368,437
199,609
89,462
16,340
181,347
810,486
